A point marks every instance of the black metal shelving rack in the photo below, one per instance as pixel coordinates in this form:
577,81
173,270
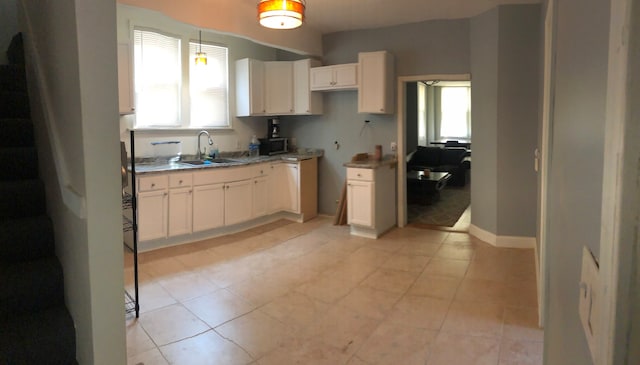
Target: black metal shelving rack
129,201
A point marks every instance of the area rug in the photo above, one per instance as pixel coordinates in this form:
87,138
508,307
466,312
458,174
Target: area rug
445,212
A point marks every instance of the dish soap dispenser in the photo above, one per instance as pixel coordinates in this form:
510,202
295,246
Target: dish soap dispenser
254,146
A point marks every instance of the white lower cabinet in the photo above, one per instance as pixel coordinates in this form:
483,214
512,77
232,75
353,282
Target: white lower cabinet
183,203
152,207
360,203
208,207
180,211
238,202
290,188
371,200
260,196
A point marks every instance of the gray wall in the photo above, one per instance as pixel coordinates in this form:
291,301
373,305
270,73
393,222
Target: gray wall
8,26
430,47
518,85
484,117
576,168
505,46
76,51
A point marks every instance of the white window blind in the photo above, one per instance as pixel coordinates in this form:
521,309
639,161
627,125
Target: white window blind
157,79
208,87
455,112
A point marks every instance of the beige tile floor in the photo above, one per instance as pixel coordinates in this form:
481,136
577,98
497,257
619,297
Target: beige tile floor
289,293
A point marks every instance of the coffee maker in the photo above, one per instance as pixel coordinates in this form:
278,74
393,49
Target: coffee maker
274,128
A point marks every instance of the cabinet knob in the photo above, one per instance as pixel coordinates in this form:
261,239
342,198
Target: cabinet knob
261,172
180,182
359,175
255,181
153,185
381,109
165,194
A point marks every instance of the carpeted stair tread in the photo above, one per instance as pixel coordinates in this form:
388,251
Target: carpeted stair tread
26,239
21,198
13,78
16,133
44,337
30,286
18,163
14,104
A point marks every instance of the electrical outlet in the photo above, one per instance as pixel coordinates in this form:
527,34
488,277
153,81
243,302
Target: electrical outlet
394,146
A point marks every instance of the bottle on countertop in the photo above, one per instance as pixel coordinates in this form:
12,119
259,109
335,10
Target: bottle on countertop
213,151
254,146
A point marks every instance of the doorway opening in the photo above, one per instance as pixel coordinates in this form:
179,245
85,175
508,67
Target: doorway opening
436,141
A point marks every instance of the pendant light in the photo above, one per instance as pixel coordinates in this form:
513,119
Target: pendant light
201,57
281,14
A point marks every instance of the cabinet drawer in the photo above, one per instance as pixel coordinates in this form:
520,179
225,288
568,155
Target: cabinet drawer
261,170
212,176
360,174
180,180
150,183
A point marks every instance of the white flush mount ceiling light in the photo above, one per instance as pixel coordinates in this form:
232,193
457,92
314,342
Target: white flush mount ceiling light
201,57
281,14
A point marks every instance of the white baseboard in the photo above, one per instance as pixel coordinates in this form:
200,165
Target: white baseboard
502,241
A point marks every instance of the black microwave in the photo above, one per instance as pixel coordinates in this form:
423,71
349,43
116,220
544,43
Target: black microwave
273,146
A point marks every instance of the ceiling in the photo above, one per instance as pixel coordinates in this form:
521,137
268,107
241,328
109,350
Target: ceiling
328,16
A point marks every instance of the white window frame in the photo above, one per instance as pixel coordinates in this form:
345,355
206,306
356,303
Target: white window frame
438,124
184,103
224,83
137,76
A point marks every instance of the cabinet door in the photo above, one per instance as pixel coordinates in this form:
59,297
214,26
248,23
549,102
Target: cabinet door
278,77
321,78
304,100
152,215
238,202
125,94
360,203
376,83
345,76
180,210
275,183
250,87
260,196
291,188
208,207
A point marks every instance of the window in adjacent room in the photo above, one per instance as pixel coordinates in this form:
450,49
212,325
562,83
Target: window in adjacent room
454,113
157,79
208,87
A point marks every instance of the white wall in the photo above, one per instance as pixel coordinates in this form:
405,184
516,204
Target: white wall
75,57
8,26
576,169
234,17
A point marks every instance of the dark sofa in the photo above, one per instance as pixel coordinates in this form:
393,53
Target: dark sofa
438,159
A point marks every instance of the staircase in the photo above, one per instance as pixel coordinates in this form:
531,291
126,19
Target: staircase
35,325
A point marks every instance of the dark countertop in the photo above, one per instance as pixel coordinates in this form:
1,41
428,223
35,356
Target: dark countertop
388,160
144,166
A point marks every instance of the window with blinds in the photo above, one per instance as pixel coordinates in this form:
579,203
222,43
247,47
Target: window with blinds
157,79
208,87
454,112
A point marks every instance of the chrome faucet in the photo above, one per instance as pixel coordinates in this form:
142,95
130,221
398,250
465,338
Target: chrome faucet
199,155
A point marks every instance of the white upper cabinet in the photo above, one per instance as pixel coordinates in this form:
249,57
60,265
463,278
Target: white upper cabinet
250,87
278,82
375,94
125,85
305,100
335,77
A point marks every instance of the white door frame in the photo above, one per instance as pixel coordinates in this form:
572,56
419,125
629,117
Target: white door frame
401,152
620,193
544,157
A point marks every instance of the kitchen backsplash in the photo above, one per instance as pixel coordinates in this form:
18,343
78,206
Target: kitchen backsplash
227,140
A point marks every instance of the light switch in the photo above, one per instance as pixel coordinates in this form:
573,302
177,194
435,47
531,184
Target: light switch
590,295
